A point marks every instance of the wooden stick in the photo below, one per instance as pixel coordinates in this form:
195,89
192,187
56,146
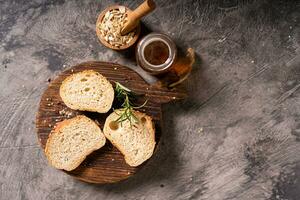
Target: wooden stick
134,17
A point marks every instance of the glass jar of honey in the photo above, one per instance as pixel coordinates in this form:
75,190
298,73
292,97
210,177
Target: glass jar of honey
156,53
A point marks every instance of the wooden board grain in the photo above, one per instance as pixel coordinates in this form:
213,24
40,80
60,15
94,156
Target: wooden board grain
106,165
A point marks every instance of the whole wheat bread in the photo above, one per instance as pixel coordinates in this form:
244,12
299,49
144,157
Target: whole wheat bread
88,91
71,141
136,141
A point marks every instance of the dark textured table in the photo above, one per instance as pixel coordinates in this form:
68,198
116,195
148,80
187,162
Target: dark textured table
236,137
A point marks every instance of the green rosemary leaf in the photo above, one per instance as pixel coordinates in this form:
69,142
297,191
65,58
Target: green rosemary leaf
125,95
121,87
119,118
137,107
134,117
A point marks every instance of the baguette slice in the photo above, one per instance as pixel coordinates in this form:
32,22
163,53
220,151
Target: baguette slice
88,91
136,142
71,141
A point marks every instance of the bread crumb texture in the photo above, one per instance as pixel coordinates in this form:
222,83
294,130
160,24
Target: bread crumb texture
71,141
136,141
87,91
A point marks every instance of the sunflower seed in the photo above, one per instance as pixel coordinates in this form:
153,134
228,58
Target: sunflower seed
122,9
111,26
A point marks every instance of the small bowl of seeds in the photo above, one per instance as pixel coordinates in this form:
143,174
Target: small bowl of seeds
109,25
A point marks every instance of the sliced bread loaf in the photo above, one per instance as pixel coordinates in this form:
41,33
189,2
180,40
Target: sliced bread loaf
136,141
71,141
88,91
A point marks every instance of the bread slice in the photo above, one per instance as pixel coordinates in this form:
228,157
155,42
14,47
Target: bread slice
88,91
71,141
136,141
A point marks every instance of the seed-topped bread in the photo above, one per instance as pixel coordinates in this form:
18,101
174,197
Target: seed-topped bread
88,91
71,141
135,140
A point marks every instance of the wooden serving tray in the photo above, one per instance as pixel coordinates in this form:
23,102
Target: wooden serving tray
106,165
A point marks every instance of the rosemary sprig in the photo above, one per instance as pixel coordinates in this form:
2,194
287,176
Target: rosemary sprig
125,95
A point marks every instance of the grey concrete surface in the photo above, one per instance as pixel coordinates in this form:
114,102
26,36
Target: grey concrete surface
236,137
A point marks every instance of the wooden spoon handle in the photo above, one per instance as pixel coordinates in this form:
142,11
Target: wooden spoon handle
145,8
135,16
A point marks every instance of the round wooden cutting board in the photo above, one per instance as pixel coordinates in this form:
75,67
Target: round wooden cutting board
106,165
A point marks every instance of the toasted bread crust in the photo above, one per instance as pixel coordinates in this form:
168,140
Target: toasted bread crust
149,125
109,90
57,129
